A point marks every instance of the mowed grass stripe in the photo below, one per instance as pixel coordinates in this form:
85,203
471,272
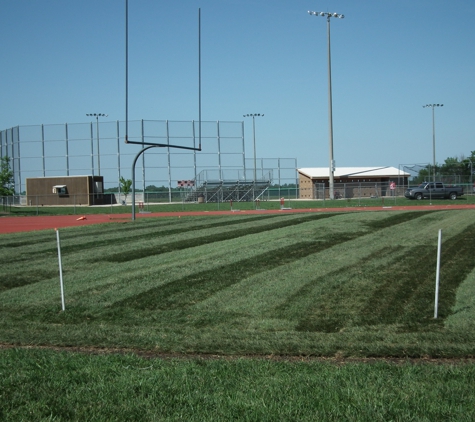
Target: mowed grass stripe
244,317
268,291
107,235
145,252
329,302
199,286
81,266
11,281
400,299
396,294
157,230
457,261
399,218
17,279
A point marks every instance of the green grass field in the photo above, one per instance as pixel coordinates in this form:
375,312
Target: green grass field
226,206
299,285
42,385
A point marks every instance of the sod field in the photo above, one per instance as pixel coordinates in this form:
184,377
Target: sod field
225,295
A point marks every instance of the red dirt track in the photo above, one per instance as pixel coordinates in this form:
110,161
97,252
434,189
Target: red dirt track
26,224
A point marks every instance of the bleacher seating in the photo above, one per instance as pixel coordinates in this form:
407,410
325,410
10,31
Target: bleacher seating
213,190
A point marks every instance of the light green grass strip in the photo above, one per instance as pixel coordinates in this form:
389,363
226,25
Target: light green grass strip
463,316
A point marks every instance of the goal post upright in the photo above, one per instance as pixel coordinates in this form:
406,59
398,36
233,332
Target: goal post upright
151,144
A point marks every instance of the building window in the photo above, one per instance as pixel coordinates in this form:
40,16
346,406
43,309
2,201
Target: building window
61,190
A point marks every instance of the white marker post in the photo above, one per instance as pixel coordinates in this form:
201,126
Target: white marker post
437,275
60,270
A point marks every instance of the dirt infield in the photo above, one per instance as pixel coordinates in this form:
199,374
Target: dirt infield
26,224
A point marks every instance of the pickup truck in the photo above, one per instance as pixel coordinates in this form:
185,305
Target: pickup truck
439,191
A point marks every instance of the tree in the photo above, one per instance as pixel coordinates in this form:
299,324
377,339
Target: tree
452,165
112,190
454,170
469,163
153,189
6,178
125,185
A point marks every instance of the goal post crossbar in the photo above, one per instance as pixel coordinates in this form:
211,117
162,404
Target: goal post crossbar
163,145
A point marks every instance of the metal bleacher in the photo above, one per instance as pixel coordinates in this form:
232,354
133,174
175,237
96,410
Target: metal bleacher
225,190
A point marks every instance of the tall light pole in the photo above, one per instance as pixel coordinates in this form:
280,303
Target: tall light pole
254,137
97,115
433,106
330,115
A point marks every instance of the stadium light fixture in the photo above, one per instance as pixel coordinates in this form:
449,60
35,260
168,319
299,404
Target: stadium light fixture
433,106
330,111
254,137
329,15
97,115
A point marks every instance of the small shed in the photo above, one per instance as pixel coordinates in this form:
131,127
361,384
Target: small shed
65,190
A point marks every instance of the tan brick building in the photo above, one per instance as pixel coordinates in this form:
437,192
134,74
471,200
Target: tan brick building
350,182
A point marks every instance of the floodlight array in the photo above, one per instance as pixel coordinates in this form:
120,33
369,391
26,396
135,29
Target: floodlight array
327,14
433,105
252,115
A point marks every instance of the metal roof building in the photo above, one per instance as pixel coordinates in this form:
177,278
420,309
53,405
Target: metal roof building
350,182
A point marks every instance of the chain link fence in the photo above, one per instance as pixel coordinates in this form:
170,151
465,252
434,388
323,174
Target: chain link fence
97,148
240,192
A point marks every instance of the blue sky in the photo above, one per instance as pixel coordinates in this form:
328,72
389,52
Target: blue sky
62,59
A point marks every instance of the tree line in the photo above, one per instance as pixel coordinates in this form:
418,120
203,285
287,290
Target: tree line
463,167
452,166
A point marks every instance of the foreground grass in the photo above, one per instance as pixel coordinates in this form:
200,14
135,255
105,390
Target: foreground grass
45,385
309,284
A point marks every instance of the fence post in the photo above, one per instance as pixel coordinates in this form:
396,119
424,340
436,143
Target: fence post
60,270
437,276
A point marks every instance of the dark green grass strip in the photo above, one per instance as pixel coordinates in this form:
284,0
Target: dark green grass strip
35,239
198,287
10,281
204,240
399,218
402,294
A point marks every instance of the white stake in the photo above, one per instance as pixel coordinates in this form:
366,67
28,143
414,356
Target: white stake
60,270
437,275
